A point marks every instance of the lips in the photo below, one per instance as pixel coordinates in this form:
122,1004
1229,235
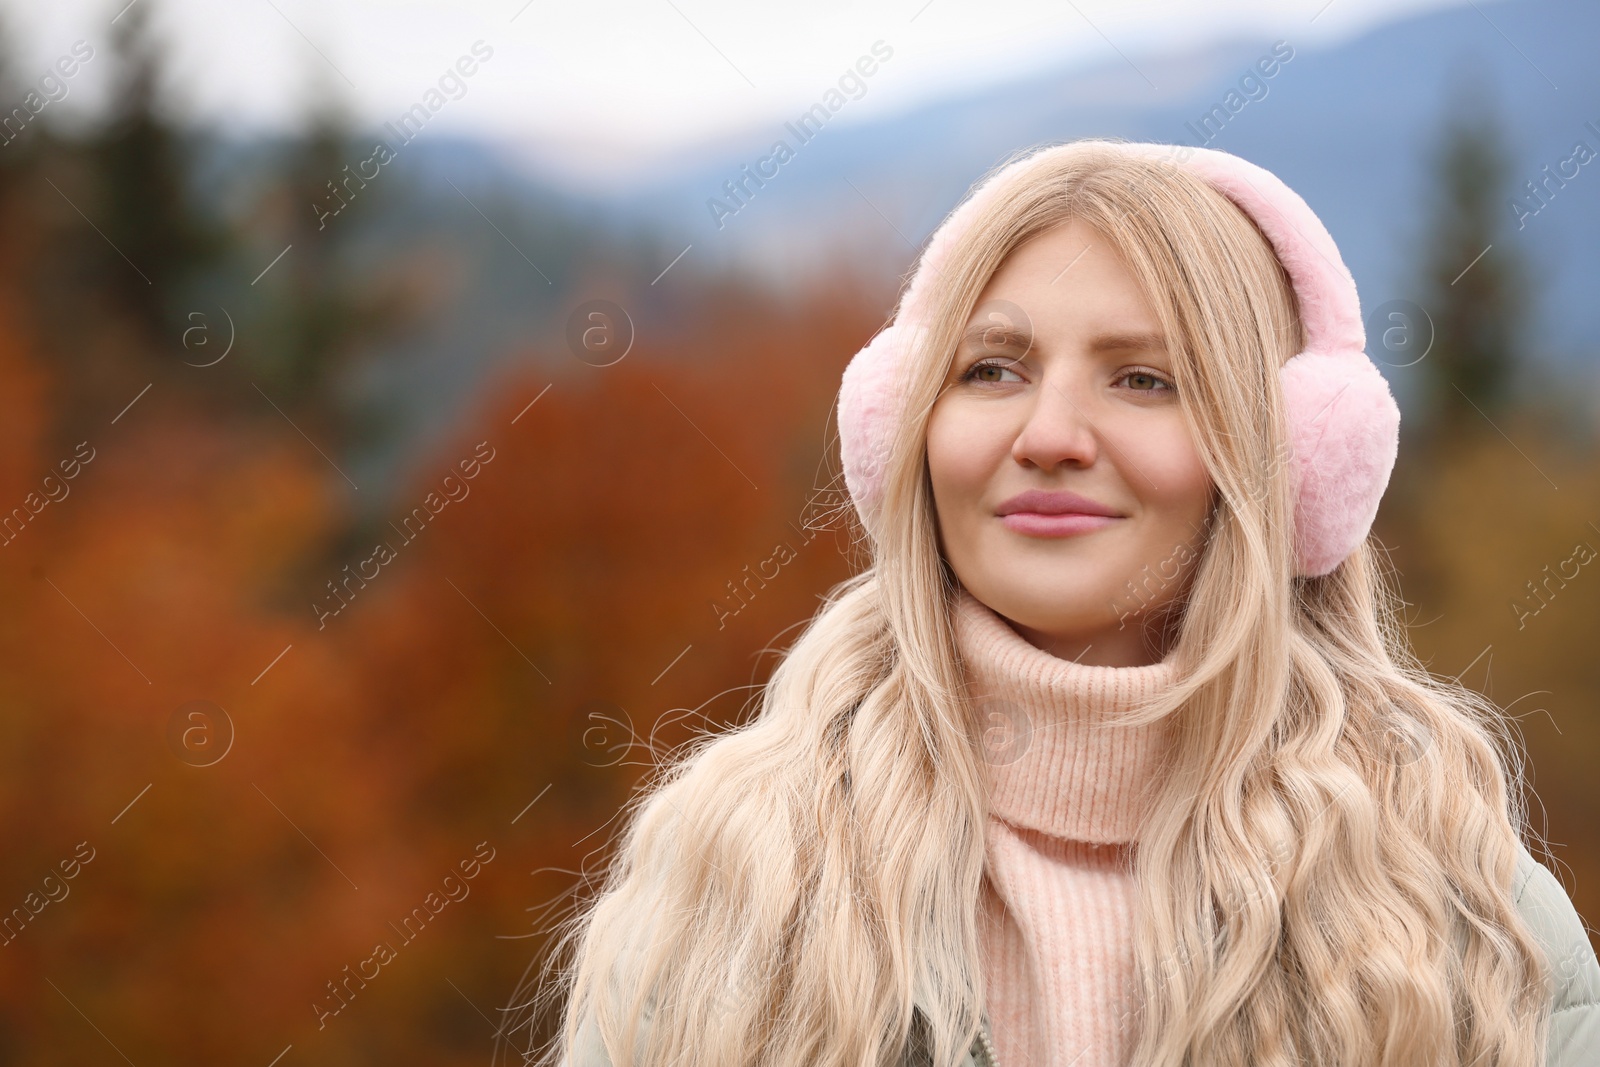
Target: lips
1054,502
1054,513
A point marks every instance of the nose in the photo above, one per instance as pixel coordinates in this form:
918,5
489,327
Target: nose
1057,429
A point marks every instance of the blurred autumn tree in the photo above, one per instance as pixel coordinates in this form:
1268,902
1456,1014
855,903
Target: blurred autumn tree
365,759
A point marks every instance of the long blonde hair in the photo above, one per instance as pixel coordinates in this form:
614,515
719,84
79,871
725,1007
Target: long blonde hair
1324,875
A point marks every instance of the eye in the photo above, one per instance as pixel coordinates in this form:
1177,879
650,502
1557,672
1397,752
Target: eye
1150,381
1003,365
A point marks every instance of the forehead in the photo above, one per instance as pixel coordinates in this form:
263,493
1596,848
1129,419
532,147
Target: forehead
1069,281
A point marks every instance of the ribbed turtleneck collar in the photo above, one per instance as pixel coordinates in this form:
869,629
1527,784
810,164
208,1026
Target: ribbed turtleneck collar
1062,770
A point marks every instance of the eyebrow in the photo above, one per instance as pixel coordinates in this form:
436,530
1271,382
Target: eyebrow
1020,338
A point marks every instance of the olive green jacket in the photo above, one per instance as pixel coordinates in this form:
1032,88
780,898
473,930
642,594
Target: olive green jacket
1574,1024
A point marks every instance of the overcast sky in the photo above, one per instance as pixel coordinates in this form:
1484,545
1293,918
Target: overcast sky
612,83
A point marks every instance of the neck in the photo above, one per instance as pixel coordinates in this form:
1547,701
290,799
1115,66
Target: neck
1145,639
1064,763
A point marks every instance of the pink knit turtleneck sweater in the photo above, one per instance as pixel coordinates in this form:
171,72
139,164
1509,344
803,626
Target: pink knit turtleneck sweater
1058,896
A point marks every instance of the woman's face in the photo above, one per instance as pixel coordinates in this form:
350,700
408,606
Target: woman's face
1060,386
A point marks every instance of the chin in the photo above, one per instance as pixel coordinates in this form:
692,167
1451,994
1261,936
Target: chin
1037,601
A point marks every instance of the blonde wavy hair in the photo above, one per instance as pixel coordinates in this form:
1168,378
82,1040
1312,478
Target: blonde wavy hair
1324,874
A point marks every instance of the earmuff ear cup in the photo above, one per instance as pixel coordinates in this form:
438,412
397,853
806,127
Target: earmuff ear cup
1344,430
869,396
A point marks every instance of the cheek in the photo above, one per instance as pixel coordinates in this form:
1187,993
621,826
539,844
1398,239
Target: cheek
958,463
1171,480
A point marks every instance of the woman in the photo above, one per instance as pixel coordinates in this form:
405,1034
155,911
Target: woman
1116,753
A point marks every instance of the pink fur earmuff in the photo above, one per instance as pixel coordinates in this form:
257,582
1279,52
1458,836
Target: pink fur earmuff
1344,423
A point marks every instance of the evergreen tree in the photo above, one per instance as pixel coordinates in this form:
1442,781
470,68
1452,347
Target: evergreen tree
17,153
144,164
329,304
1475,286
